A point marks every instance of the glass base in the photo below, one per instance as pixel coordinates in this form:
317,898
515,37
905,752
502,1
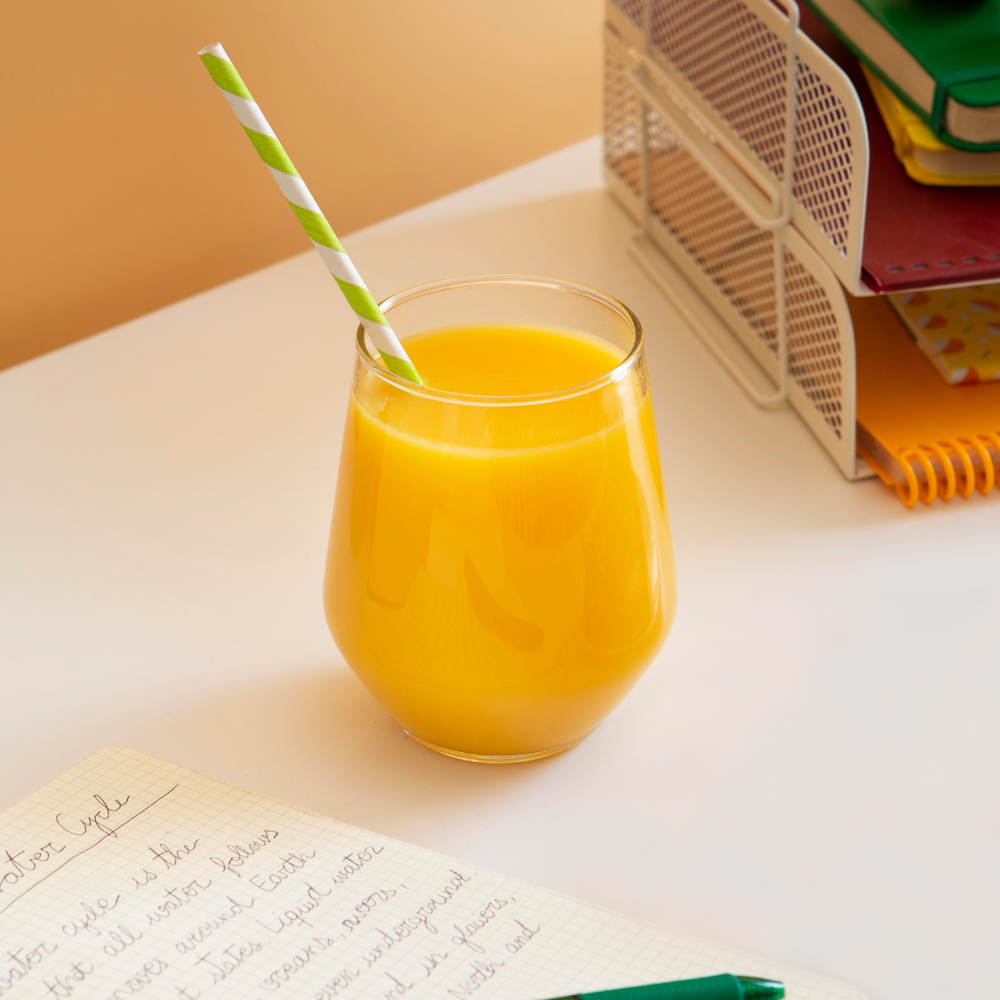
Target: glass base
496,758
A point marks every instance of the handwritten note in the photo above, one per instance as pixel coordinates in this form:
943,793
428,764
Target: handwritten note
128,877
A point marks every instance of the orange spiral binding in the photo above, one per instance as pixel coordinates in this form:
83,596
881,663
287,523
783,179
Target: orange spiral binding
947,488
911,492
985,480
928,489
993,440
948,482
968,470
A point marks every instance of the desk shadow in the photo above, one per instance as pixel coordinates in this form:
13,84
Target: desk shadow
318,739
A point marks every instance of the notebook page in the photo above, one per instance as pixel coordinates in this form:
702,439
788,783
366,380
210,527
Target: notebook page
131,877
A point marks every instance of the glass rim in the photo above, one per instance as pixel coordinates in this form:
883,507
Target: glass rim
526,399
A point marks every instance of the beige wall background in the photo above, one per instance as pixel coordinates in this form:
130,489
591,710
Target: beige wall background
127,184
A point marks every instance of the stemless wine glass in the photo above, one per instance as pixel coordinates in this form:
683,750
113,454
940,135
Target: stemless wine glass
500,570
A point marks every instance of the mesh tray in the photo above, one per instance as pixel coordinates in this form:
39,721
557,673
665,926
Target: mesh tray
710,240
726,59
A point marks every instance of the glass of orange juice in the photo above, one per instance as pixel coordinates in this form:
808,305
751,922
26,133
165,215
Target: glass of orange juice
500,571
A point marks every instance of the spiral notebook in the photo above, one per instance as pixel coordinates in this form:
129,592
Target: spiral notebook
128,875
926,438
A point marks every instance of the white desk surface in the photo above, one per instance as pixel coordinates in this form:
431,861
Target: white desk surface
810,768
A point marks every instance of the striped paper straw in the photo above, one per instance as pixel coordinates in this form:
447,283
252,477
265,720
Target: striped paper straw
303,204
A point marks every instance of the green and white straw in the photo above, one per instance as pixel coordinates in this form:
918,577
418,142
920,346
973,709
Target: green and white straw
304,206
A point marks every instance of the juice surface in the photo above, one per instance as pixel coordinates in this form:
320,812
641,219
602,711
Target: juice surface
486,360
499,577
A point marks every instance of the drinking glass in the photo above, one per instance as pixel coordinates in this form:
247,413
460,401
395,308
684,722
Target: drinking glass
500,571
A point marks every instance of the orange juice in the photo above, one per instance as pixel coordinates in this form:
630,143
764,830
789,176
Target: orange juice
500,570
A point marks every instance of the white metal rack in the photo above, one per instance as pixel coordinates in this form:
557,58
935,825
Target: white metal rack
742,151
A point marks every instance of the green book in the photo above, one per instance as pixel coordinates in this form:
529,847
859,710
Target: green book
942,57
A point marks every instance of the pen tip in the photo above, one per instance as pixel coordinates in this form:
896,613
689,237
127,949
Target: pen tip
761,989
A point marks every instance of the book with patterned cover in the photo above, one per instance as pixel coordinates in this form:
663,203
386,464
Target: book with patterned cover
130,876
958,330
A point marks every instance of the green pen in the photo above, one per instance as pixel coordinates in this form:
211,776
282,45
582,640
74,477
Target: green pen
725,987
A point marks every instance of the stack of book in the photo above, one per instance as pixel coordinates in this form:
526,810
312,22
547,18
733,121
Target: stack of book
928,75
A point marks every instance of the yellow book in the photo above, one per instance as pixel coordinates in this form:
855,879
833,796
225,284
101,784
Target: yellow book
926,159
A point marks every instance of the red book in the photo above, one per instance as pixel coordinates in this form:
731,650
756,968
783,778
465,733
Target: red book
915,236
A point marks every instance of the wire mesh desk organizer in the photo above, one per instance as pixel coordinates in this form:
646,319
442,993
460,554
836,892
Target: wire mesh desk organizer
741,149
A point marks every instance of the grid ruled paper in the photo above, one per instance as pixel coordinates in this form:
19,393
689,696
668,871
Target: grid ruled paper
131,877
